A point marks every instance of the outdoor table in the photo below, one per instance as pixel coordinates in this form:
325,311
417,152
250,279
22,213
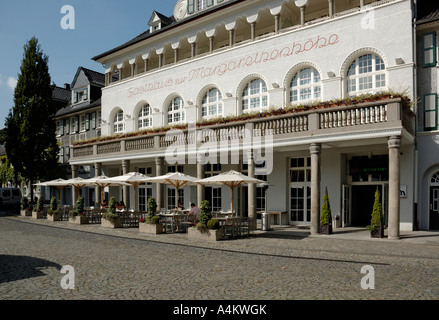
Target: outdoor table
172,221
228,223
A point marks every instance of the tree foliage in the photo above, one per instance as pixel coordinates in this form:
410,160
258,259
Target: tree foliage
30,138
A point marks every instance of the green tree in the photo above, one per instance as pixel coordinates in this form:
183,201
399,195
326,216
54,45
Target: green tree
30,137
377,214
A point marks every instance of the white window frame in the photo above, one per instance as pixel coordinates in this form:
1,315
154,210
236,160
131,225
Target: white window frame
118,122
176,112
255,96
302,85
145,116
212,104
366,75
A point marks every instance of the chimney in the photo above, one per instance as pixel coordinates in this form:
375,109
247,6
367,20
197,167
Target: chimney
67,86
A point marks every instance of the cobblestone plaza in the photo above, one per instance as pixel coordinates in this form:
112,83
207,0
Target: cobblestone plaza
287,264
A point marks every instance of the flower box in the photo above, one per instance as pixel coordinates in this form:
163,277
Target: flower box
26,213
115,223
151,228
54,217
37,215
79,220
210,235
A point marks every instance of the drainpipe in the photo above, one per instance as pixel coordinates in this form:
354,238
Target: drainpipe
415,95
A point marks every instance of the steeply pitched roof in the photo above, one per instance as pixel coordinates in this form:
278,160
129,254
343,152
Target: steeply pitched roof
163,18
432,16
61,94
93,77
77,108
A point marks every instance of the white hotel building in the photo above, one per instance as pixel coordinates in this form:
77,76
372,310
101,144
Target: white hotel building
225,58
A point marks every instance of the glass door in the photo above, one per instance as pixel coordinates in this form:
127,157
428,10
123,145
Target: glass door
300,204
346,205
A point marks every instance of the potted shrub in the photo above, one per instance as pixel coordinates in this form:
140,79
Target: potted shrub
26,210
206,228
110,219
151,224
53,213
376,226
38,212
77,215
325,216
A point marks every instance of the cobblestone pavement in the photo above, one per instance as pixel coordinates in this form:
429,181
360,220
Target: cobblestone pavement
123,264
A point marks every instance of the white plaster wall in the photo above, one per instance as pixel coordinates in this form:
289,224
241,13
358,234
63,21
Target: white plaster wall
345,40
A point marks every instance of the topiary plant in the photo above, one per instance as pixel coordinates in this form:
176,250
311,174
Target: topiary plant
111,214
79,207
53,207
152,208
377,214
213,224
205,215
40,205
325,216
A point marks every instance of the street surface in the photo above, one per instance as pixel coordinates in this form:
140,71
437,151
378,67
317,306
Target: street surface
126,265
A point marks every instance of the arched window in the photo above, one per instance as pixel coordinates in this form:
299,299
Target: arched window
118,123
176,110
366,74
145,117
305,86
435,178
212,104
255,95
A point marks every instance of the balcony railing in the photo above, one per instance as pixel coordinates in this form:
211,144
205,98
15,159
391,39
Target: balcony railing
364,117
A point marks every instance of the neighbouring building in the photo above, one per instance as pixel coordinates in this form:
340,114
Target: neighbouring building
218,60
80,119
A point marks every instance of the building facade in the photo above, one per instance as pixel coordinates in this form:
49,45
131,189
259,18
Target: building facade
80,119
215,61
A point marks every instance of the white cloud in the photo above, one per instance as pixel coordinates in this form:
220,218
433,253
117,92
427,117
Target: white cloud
12,83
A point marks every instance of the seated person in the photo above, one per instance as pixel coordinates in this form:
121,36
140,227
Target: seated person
121,205
194,211
104,204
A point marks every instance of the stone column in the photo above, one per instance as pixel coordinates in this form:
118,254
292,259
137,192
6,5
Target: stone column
394,186
98,172
331,8
315,150
159,164
251,191
126,190
176,56
161,60
193,50
252,31
211,39
231,38
74,192
200,175
276,23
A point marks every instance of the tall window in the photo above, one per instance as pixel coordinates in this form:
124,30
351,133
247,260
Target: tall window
429,58
145,117
212,104
176,111
430,112
366,74
305,86
255,96
118,123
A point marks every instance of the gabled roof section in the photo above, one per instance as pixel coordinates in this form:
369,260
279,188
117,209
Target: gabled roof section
61,94
93,77
162,18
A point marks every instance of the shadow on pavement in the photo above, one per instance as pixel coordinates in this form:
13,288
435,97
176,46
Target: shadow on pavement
13,268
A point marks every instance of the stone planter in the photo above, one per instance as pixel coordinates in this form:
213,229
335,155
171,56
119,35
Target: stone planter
210,235
326,229
79,220
377,233
151,228
26,213
116,223
37,215
54,217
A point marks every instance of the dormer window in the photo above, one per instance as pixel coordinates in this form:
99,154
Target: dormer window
80,95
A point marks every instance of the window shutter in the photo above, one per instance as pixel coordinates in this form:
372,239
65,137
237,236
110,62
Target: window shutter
191,6
429,50
76,124
93,121
430,112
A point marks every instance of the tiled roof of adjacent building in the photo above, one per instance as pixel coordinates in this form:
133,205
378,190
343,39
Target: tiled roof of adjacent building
61,94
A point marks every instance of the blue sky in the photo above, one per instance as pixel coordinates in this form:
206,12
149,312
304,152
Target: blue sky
100,25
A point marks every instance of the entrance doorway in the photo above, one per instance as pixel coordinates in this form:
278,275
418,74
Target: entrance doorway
362,201
434,208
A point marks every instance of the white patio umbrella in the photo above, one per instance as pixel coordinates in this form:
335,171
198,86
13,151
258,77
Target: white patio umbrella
77,182
134,179
176,179
232,179
58,183
102,182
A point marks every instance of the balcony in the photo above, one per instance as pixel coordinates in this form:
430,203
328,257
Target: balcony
363,121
